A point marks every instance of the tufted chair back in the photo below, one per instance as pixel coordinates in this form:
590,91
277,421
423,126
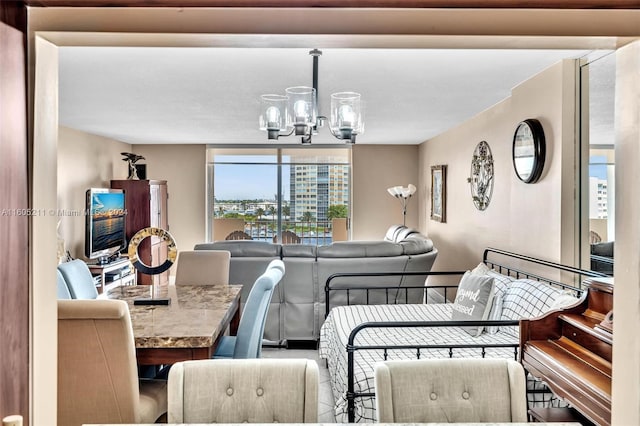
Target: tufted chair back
203,267
79,279
243,391
450,391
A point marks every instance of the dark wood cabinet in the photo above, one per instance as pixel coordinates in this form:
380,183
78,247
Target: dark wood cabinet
146,204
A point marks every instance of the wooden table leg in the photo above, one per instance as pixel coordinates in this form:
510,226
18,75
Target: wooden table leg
235,322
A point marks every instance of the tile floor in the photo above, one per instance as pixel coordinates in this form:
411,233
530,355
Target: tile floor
325,398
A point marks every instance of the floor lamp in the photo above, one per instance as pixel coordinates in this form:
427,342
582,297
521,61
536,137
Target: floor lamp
403,194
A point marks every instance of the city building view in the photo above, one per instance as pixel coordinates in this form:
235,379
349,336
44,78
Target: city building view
297,196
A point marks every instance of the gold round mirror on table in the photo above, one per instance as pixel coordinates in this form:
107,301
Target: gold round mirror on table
528,151
172,251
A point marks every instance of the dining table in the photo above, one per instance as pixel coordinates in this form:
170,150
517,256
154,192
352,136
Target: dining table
173,323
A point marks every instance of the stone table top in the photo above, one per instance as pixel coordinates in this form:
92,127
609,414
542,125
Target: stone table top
193,319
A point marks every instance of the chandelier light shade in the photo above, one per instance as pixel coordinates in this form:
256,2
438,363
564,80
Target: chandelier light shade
297,112
346,115
403,194
273,117
302,107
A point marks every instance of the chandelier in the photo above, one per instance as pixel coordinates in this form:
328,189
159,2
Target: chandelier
296,112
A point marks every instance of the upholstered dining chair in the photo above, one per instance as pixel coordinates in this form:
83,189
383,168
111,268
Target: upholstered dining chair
203,267
451,390
79,279
97,372
267,390
247,343
63,290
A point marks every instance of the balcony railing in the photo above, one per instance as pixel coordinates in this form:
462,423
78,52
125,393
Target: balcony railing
317,232
293,232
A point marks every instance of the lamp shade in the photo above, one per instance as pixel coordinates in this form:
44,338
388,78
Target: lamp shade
301,105
346,115
402,192
273,114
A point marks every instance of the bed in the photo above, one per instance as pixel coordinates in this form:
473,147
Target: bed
355,337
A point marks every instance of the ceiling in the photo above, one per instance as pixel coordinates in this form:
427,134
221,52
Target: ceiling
197,95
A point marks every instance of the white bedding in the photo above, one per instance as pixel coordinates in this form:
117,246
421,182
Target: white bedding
335,331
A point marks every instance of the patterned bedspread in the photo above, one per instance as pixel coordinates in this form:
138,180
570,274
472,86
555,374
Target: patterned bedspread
335,332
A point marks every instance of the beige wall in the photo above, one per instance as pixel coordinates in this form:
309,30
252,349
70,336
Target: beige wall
524,218
184,169
376,168
222,227
626,298
84,161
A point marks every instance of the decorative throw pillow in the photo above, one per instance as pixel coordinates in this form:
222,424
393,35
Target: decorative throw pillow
526,299
473,301
563,300
501,283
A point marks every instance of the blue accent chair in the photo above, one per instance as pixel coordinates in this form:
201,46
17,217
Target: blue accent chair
79,279
63,290
248,342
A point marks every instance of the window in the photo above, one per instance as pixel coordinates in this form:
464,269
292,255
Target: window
265,192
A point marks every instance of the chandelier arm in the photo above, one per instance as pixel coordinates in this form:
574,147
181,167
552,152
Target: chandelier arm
287,134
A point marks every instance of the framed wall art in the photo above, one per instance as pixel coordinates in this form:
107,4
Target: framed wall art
481,179
439,193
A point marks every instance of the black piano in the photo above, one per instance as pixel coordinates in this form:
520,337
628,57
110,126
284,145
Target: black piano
571,350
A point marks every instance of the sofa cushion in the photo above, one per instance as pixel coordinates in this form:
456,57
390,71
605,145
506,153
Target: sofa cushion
299,250
602,249
392,232
416,244
244,248
404,233
361,249
473,301
527,299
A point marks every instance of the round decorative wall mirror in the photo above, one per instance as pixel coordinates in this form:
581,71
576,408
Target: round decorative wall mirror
528,151
481,179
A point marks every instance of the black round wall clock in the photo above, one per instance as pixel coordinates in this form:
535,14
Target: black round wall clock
528,150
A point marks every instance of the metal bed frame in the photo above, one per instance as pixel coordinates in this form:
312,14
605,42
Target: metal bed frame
500,267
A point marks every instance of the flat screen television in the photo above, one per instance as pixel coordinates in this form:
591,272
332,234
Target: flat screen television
105,231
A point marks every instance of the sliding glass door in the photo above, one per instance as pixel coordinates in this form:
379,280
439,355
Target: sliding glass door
289,195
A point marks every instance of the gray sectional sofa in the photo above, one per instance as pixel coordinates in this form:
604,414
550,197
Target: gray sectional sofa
298,305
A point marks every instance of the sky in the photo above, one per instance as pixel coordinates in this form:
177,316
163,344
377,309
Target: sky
249,181
108,201
599,169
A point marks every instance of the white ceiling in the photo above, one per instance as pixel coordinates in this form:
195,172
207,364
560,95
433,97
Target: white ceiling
211,95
